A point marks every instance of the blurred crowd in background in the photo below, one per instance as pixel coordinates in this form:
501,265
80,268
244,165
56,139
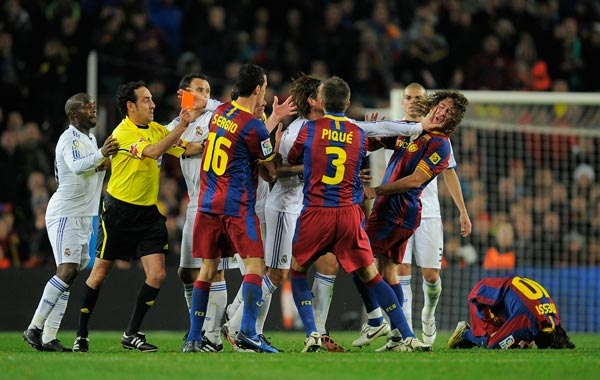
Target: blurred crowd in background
525,45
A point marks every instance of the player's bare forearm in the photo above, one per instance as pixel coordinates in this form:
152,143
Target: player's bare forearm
404,184
267,170
156,150
453,185
286,170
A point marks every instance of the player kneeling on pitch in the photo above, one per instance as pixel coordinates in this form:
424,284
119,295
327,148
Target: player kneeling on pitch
510,312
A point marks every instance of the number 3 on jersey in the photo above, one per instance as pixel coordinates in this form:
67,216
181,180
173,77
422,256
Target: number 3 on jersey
216,156
338,162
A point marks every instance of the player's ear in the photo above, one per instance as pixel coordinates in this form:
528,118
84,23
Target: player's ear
256,90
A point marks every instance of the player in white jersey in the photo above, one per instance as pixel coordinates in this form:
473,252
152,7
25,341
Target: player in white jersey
79,168
426,245
284,203
197,131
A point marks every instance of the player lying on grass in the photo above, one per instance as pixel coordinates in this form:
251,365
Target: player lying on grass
510,312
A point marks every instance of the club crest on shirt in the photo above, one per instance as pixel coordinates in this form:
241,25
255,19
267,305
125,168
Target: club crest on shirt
435,158
133,150
507,342
198,131
266,146
67,252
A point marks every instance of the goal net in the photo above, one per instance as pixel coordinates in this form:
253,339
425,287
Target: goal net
530,173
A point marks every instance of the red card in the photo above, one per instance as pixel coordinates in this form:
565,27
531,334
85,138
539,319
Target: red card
187,100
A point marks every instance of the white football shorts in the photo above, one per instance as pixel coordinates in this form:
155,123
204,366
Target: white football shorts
426,245
70,239
279,236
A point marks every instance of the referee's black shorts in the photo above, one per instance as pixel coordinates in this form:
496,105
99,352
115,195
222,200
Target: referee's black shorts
129,231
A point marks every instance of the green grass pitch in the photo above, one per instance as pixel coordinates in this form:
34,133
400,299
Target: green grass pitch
107,361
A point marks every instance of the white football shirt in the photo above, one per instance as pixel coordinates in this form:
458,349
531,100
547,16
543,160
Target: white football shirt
79,185
196,131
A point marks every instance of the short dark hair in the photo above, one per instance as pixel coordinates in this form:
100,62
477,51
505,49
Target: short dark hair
75,102
336,94
556,339
186,80
304,87
248,78
126,93
234,93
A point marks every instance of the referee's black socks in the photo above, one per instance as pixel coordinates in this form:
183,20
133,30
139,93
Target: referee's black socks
145,300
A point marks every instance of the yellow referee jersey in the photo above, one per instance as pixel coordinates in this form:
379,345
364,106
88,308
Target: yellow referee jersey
134,178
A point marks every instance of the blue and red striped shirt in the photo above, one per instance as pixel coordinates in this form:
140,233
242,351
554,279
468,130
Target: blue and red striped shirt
228,175
522,305
332,149
430,153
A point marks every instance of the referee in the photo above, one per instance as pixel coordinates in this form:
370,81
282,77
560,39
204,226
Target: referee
131,225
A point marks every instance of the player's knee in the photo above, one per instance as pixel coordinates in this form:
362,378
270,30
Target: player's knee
186,275
277,276
404,269
156,277
431,276
67,272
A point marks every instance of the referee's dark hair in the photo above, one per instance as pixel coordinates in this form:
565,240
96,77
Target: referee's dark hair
126,93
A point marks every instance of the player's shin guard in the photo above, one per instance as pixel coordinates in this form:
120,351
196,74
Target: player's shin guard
390,304
370,301
432,292
198,312
252,293
322,291
303,300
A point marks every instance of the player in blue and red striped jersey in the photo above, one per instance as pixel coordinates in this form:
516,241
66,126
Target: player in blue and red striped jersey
332,150
510,312
396,213
238,147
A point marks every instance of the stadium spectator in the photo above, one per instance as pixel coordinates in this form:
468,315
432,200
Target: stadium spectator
565,36
501,253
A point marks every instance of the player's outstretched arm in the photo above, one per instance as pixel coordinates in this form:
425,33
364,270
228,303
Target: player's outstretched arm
158,149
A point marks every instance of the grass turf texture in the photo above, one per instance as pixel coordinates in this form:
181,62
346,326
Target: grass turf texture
107,360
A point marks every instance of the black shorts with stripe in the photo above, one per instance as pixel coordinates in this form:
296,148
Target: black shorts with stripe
129,231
